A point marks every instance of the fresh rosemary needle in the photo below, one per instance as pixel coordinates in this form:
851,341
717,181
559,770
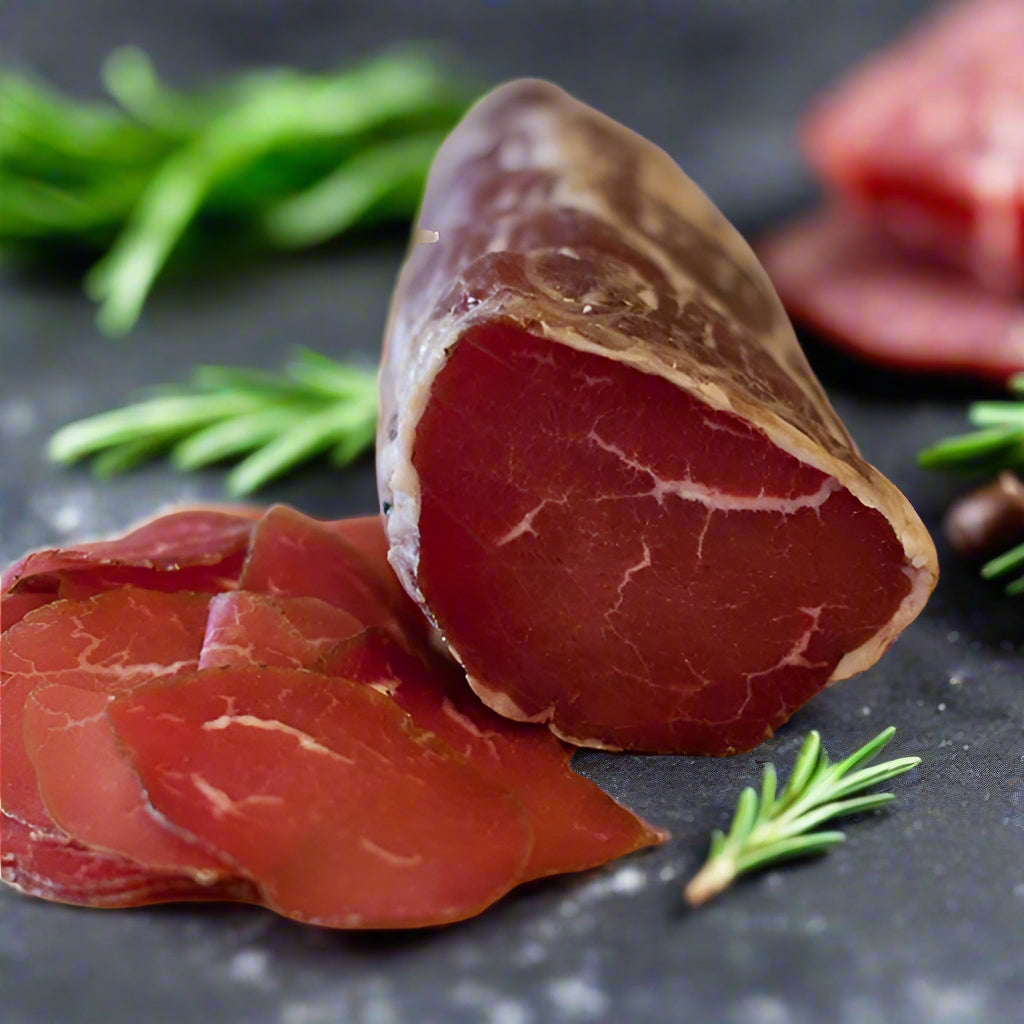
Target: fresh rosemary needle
271,422
768,827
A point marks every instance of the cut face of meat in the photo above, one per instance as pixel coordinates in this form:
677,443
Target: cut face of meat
838,276
564,574
575,824
611,478
927,137
324,791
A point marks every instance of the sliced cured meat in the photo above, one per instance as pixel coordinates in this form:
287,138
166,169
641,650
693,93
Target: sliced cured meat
838,276
14,607
575,824
193,549
367,534
91,792
295,555
611,478
61,870
927,136
244,628
323,792
106,644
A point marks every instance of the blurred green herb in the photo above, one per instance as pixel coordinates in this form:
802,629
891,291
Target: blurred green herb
277,157
997,445
271,422
768,828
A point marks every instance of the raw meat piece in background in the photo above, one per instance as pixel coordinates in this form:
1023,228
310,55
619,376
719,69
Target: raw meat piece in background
918,260
928,138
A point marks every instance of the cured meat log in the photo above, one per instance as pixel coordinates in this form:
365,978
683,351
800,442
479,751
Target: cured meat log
610,477
926,137
238,707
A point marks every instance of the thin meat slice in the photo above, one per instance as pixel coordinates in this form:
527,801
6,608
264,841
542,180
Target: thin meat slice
927,137
193,549
326,795
575,824
14,607
838,276
59,869
106,644
244,628
610,476
91,792
368,535
301,557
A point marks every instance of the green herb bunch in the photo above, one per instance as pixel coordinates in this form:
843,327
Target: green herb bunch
771,826
273,157
271,422
997,445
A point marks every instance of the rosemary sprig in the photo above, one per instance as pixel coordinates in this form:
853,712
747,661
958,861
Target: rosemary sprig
767,828
271,422
997,445
276,157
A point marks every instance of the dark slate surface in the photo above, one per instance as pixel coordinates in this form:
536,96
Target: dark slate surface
918,918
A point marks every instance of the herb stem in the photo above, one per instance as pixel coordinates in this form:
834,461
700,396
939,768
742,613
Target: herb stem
767,829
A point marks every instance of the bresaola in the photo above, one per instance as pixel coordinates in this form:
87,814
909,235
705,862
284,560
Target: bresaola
260,743
611,481
611,478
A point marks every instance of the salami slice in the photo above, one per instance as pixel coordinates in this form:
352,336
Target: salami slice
609,474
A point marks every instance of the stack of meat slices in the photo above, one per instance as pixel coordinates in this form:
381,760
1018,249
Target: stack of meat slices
235,706
920,261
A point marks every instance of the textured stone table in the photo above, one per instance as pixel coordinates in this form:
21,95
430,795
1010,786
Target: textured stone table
919,917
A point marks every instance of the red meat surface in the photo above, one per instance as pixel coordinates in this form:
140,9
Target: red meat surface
245,628
590,561
610,477
342,801
190,549
59,869
927,137
324,792
836,274
91,792
108,643
14,607
575,824
295,555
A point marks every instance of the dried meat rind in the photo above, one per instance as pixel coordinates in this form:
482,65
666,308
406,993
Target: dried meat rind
564,240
